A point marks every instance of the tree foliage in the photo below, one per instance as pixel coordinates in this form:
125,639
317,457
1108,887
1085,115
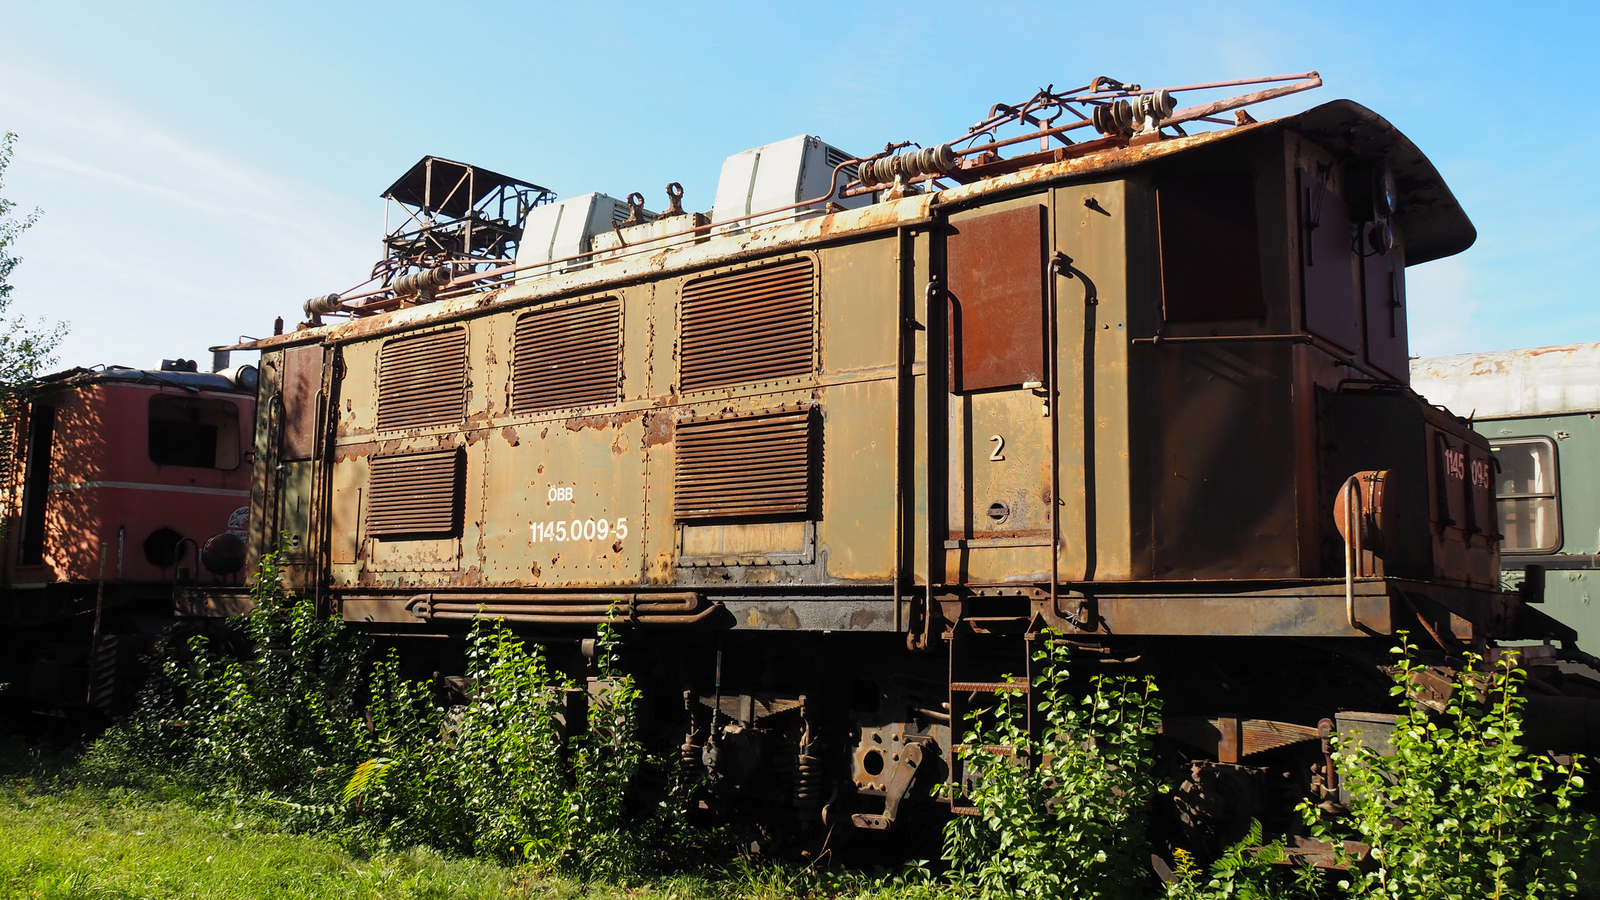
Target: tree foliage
24,349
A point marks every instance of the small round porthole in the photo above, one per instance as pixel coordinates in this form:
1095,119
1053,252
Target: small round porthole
161,548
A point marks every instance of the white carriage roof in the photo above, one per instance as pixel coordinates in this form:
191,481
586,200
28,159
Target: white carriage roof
1505,384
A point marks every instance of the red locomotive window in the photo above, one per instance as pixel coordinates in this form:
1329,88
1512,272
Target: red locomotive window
188,431
1210,251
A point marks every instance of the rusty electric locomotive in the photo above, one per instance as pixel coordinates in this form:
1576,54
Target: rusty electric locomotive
836,454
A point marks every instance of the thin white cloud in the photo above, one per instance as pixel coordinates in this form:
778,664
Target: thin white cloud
153,244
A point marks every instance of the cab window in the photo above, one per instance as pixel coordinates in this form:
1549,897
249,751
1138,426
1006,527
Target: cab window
189,431
1527,493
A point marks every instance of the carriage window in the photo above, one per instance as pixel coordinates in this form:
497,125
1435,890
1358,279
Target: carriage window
1530,509
185,431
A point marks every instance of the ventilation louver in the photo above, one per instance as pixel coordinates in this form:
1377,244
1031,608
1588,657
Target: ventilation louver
419,494
758,465
747,326
569,356
422,380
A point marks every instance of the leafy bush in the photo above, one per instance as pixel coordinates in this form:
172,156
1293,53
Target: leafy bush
291,713
265,709
1460,809
1066,814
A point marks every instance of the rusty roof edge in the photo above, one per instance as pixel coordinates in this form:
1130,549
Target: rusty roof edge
1430,217
788,237
1503,384
1431,220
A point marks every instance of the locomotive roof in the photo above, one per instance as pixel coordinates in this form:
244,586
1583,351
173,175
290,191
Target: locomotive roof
1429,216
80,376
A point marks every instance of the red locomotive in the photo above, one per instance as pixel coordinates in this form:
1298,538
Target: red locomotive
123,486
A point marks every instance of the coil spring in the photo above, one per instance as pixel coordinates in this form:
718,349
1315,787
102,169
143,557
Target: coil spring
808,781
690,756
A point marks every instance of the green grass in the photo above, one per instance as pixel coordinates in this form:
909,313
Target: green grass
60,841
114,843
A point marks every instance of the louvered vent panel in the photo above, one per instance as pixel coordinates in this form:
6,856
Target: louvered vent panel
751,325
834,156
568,357
417,494
761,465
422,380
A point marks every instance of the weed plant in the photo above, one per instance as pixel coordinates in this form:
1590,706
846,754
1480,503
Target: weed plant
1249,870
1460,808
1064,814
294,719
290,715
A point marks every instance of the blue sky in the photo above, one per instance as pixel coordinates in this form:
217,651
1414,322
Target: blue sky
204,167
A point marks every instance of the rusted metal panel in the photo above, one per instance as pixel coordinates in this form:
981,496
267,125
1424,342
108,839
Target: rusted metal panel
813,613
753,465
1326,262
1315,610
1092,382
755,324
995,266
302,378
349,486
422,379
1210,254
1001,485
1466,537
860,321
858,521
417,493
1217,442
294,510
567,356
562,503
1384,285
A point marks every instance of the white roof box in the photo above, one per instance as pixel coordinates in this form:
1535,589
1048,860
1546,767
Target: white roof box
775,176
564,229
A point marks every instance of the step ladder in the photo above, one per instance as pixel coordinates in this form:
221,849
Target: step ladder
991,662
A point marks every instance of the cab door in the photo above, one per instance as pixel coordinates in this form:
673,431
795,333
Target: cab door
1001,483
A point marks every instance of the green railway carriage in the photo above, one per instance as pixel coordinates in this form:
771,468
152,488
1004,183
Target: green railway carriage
1538,408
